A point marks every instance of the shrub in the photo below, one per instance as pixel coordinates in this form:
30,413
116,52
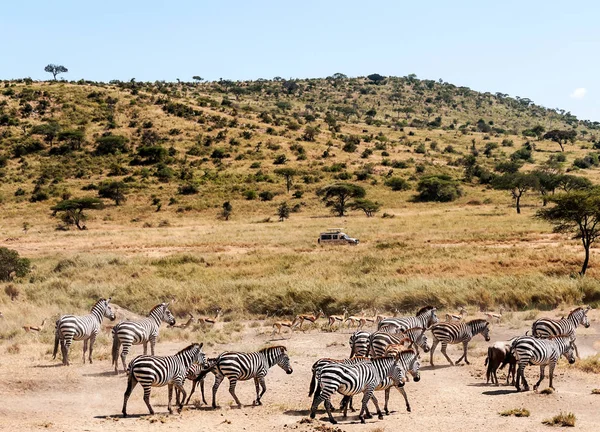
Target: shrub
517,412
12,265
250,195
421,149
280,160
266,196
439,188
397,184
111,144
588,161
12,291
188,189
562,419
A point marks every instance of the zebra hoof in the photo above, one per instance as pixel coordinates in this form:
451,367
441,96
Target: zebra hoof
387,412
362,420
335,421
369,416
380,416
408,409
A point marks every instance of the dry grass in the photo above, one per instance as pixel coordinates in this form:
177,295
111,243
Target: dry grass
547,391
589,364
595,391
562,419
517,412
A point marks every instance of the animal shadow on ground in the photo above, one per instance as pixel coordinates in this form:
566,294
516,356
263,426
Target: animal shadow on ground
48,366
499,392
436,367
298,413
105,374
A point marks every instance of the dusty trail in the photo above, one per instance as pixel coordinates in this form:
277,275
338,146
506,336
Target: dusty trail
36,394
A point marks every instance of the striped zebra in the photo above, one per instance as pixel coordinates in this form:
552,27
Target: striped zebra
349,380
408,362
542,352
240,366
154,371
196,374
128,333
359,343
325,361
379,340
85,328
546,327
426,317
453,333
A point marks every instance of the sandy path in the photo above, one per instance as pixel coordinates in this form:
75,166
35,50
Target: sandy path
37,395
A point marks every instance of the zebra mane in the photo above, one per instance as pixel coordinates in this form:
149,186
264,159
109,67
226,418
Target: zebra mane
156,307
477,320
274,348
574,311
424,309
189,348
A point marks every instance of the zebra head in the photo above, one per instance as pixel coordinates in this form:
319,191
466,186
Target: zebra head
569,350
580,316
104,306
198,356
420,340
278,356
167,316
414,369
427,313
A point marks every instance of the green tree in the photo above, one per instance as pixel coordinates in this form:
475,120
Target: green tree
283,211
288,174
576,213
115,191
310,133
197,78
368,206
12,265
376,78
338,196
561,137
72,210
111,144
72,137
397,184
441,188
227,210
517,184
55,70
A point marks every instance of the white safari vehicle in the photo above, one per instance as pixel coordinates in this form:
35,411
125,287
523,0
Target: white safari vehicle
336,236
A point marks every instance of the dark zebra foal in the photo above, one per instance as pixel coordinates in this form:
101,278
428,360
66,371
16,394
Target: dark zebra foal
196,373
453,333
240,366
155,371
85,328
543,352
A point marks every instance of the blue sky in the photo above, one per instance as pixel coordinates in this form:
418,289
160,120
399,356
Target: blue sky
547,51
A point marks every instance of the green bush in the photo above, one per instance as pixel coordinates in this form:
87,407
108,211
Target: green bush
266,196
111,144
397,184
12,265
439,188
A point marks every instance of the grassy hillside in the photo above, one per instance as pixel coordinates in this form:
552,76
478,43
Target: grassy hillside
182,149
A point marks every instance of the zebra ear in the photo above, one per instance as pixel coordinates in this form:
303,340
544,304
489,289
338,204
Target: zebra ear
108,300
201,344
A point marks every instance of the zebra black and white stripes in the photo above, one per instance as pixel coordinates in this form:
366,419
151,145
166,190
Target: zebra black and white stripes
543,352
240,366
426,317
379,340
128,333
85,328
153,371
359,343
546,327
453,333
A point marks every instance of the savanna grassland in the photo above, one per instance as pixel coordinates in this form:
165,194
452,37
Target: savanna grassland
180,150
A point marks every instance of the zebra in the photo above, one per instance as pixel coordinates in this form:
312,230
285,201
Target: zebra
70,327
196,373
545,327
359,343
154,371
425,317
408,361
453,333
379,340
349,380
542,352
240,366
128,333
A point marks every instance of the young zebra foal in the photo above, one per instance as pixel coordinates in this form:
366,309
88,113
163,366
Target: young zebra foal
128,333
546,327
85,328
542,352
453,333
154,371
240,366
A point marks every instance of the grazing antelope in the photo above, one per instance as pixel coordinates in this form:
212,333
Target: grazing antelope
337,318
311,318
209,320
277,325
379,317
496,316
35,328
186,324
453,317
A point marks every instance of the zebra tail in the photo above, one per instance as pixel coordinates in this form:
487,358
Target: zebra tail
56,340
115,347
313,383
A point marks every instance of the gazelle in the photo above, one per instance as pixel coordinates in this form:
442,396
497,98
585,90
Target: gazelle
35,328
209,320
277,325
494,315
311,318
452,317
337,318
379,317
186,324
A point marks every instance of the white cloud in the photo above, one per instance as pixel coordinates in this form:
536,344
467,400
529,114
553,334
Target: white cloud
579,93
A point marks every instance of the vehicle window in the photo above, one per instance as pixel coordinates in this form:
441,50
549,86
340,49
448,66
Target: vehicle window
325,237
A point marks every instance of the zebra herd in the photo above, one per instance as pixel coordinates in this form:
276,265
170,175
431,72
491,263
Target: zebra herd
379,361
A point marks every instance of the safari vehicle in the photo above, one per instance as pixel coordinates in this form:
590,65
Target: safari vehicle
336,236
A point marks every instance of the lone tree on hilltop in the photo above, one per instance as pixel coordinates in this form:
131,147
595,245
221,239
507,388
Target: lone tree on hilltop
338,196
55,69
561,137
288,174
376,78
578,213
72,210
197,78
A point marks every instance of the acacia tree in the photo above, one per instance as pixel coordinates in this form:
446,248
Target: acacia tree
517,183
283,211
115,191
368,206
55,69
561,137
338,196
72,210
288,174
576,213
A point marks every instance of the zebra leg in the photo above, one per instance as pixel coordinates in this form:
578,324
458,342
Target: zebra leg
464,356
551,373
232,384
542,376
180,391
170,387
264,389
328,407
124,353
64,349
576,350
152,344
387,399
147,389
202,390
145,344
192,392
433,346
85,347
92,341
403,391
218,380
257,385
444,347
131,383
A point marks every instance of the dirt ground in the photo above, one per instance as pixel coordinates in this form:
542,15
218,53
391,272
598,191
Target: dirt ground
36,393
